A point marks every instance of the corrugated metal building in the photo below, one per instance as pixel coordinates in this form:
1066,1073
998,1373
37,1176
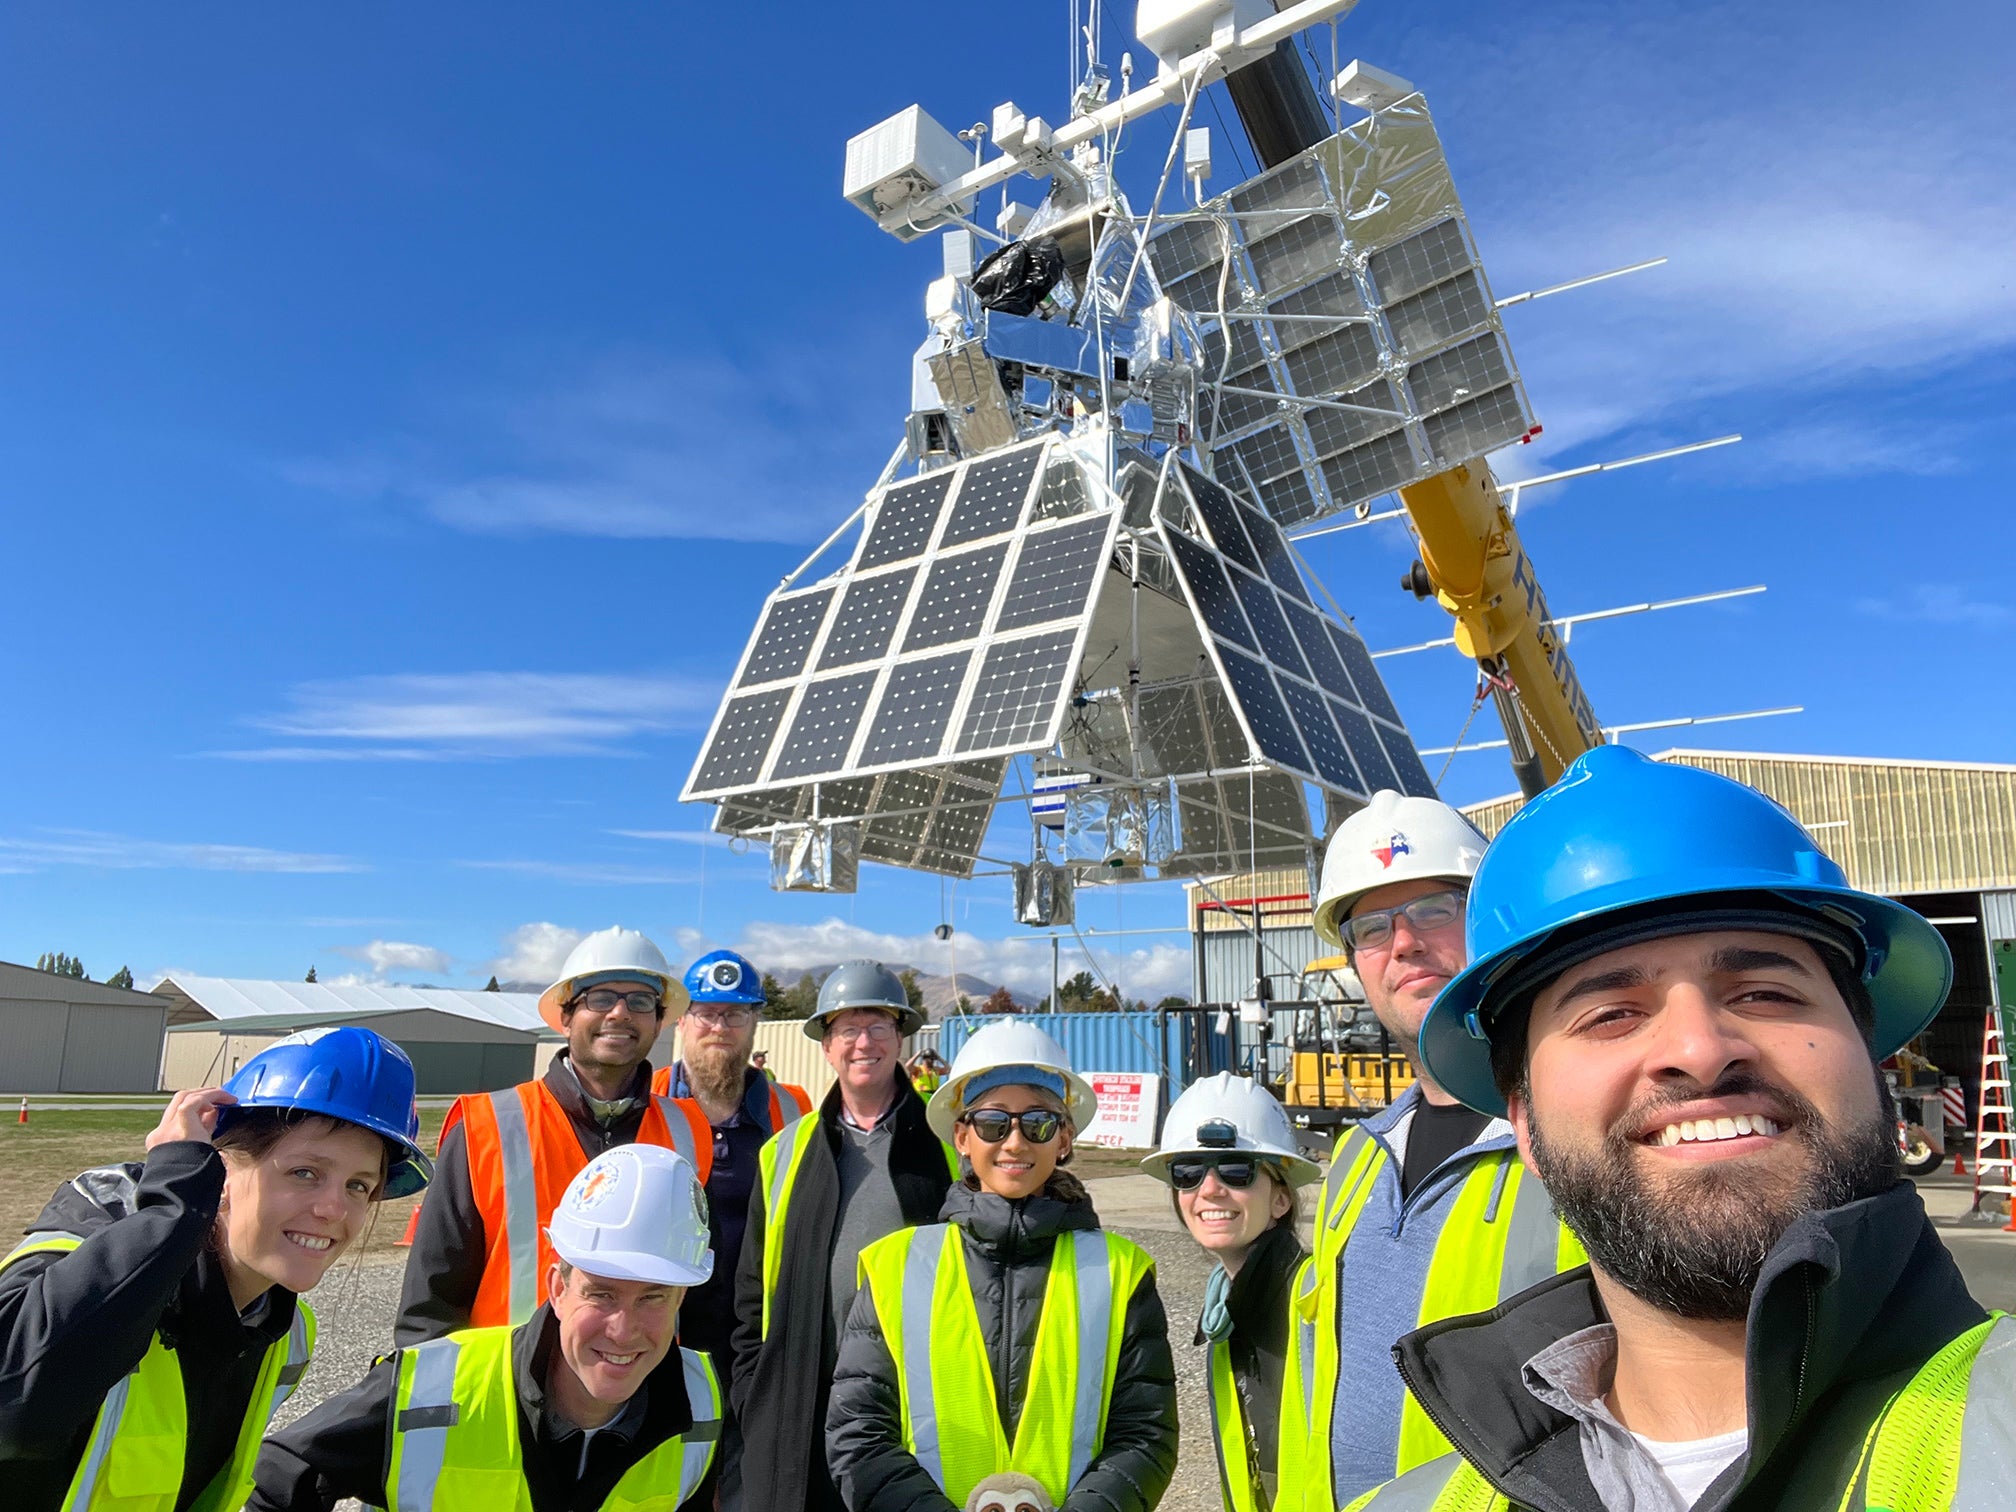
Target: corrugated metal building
59,1034
458,1041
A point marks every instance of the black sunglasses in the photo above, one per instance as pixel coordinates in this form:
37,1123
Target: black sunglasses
1187,1172
1039,1125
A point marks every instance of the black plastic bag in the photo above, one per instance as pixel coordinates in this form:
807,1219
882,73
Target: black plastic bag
1013,279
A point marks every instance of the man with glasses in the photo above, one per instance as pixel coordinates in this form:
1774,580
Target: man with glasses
480,1249
866,1165
1425,1211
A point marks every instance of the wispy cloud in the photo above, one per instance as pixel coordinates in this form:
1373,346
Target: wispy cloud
463,716
93,848
1939,604
679,837
587,873
638,447
387,956
535,952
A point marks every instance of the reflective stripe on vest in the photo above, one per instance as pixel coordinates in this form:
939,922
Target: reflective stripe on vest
777,1177
1292,1470
455,1442
134,1458
788,1104
1448,1484
1238,1484
523,1151
924,1302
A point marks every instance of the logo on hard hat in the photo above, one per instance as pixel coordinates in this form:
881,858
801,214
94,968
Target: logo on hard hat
1397,846
596,1189
726,975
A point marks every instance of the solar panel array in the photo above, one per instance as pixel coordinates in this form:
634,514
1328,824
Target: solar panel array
1302,683
950,637
1351,343
932,819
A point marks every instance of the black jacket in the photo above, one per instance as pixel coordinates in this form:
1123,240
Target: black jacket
71,1325
444,1269
342,1447
781,1383
1008,1247
1850,1304
1258,1343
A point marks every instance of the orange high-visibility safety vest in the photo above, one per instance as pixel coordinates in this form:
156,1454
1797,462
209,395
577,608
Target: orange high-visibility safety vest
788,1104
522,1153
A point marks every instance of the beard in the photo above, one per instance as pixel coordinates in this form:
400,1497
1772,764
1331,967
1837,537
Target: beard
1692,1241
715,1071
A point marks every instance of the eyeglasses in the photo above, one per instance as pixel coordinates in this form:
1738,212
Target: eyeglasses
1187,1172
1437,910
880,1032
722,1018
1039,1125
604,1000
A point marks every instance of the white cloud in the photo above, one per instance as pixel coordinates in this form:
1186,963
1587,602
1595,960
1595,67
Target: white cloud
535,952
1020,962
453,716
68,847
387,956
1938,604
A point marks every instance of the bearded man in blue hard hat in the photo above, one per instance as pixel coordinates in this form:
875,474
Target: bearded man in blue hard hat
589,1403
1425,1210
1680,1004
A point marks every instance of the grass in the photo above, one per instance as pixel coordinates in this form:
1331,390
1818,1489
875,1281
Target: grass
54,1145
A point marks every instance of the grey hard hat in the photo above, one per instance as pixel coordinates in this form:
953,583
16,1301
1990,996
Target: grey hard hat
863,984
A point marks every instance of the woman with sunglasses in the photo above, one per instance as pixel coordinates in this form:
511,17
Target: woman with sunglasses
1229,1155
1016,1336
149,1322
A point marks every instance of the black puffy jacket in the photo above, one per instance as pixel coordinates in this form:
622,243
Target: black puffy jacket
1008,1246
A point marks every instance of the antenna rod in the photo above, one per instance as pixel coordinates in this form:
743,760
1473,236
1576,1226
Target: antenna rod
1579,283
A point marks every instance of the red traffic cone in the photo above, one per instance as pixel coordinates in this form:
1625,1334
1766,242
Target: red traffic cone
1960,1160
412,1228
23,1118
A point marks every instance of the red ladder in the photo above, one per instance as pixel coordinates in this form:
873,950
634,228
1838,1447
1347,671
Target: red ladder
1995,1128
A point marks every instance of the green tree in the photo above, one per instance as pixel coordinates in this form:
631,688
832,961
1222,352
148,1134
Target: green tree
491,986
965,1003
912,989
1171,1003
777,999
1000,1000
311,975
801,999
123,977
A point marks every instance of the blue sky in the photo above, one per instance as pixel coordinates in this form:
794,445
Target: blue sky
403,414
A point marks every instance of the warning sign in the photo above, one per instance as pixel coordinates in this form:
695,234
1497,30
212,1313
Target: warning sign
1127,1103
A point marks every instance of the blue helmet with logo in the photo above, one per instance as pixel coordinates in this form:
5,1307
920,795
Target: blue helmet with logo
349,1073
1624,848
721,976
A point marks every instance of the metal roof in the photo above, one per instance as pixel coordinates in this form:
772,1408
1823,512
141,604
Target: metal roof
252,1007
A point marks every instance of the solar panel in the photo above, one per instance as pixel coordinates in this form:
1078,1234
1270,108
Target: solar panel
1052,573
1210,591
1015,697
905,520
824,726
992,495
956,598
866,618
741,740
916,710
930,819
784,641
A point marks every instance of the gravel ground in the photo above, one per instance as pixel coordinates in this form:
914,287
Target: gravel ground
354,1308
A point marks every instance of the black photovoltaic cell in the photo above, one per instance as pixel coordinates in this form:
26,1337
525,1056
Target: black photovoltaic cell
1054,575
1414,778
1314,640
916,709
1326,747
990,500
1206,577
1296,253
1221,516
1463,372
1435,316
1266,716
1268,454
1289,499
1473,428
1336,295
867,618
1331,430
1273,548
1364,675
1063,492
1015,696
904,520
1264,612
1365,472
957,592
1424,259
1172,731
1371,756
1183,247
786,638
1344,359
742,739
827,718
1295,185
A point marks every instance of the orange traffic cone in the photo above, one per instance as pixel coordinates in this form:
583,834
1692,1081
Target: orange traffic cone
23,1118
412,1228
1960,1161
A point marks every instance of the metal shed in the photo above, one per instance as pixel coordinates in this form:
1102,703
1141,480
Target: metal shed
458,1041
59,1034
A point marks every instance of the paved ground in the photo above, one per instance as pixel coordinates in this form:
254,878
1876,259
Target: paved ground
356,1303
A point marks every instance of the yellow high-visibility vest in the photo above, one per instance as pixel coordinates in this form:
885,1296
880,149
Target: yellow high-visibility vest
1943,1443
133,1459
1501,1236
778,1165
924,1302
455,1444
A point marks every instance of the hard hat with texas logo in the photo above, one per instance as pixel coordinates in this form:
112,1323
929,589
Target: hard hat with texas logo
1393,839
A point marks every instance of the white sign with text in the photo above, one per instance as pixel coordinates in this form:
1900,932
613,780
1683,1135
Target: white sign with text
1127,1104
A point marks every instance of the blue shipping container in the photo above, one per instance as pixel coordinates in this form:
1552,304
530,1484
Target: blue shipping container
1189,1045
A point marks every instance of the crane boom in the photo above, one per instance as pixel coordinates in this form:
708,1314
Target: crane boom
1475,565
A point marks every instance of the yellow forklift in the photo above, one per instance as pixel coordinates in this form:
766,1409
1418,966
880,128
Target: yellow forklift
1338,1063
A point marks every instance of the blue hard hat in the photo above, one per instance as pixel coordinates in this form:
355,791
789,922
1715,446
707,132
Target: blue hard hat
356,1075
1621,834
721,976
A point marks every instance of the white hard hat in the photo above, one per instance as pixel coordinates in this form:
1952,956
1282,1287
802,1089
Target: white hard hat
612,955
635,1213
1393,839
1249,1119
1004,1044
